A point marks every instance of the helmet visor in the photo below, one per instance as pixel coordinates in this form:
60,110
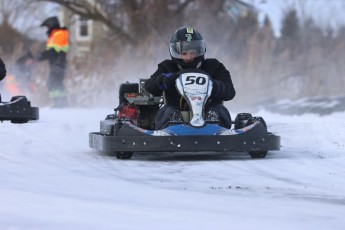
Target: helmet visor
177,49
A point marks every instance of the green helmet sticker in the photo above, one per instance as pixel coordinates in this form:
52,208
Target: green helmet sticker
189,37
189,30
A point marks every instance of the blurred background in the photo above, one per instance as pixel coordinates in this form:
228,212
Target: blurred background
280,53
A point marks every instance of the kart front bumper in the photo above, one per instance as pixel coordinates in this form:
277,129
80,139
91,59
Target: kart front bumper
248,141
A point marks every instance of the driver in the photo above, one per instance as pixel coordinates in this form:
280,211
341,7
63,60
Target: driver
187,49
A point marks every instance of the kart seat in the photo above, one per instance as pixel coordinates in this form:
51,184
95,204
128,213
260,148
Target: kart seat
127,88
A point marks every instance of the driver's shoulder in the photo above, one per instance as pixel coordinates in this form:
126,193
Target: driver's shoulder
211,61
167,62
168,65
210,65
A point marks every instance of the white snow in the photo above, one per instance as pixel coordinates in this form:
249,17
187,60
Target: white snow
51,179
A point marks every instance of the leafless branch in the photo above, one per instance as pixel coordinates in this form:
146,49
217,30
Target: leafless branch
91,10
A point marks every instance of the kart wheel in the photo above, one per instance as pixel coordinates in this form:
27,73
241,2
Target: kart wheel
242,119
124,155
19,120
261,120
20,101
258,154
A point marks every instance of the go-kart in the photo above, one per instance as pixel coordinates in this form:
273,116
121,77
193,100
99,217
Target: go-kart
18,110
131,128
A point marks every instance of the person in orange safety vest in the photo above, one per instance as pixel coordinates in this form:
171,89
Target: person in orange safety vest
55,53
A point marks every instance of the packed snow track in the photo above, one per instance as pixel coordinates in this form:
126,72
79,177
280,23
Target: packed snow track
51,179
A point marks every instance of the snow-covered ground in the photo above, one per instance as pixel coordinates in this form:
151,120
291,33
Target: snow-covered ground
51,179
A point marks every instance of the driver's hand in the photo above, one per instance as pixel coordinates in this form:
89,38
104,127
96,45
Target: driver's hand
166,80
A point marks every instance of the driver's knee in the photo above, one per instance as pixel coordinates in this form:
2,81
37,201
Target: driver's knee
167,115
224,115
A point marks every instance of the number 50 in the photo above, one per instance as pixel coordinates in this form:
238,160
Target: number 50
194,79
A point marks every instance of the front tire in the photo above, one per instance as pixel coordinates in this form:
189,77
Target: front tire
124,155
242,120
258,154
19,120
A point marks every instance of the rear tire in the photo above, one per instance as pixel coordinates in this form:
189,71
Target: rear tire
124,155
258,154
261,120
19,101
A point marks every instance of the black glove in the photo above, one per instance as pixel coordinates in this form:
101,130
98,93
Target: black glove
166,80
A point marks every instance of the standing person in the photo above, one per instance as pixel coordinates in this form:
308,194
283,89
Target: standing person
2,72
55,52
187,50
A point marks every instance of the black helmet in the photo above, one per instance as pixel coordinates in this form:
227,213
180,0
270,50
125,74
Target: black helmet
52,22
186,39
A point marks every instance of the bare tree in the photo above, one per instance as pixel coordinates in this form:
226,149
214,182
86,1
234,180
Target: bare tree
126,18
17,20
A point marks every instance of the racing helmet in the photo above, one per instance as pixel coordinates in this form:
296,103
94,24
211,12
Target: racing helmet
187,39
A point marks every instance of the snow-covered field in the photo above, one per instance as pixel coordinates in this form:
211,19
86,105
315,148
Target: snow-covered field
51,179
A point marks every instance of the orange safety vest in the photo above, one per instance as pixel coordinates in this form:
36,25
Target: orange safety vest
58,40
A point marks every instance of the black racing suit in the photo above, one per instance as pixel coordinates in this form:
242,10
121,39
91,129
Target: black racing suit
223,90
2,72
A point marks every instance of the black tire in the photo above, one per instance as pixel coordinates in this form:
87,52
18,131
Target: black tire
242,119
124,155
258,154
19,120
20,101
261,120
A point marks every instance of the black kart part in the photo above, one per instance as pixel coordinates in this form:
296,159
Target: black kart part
124,155
258,154
18,110
255,141
127,88
132,129
242,120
